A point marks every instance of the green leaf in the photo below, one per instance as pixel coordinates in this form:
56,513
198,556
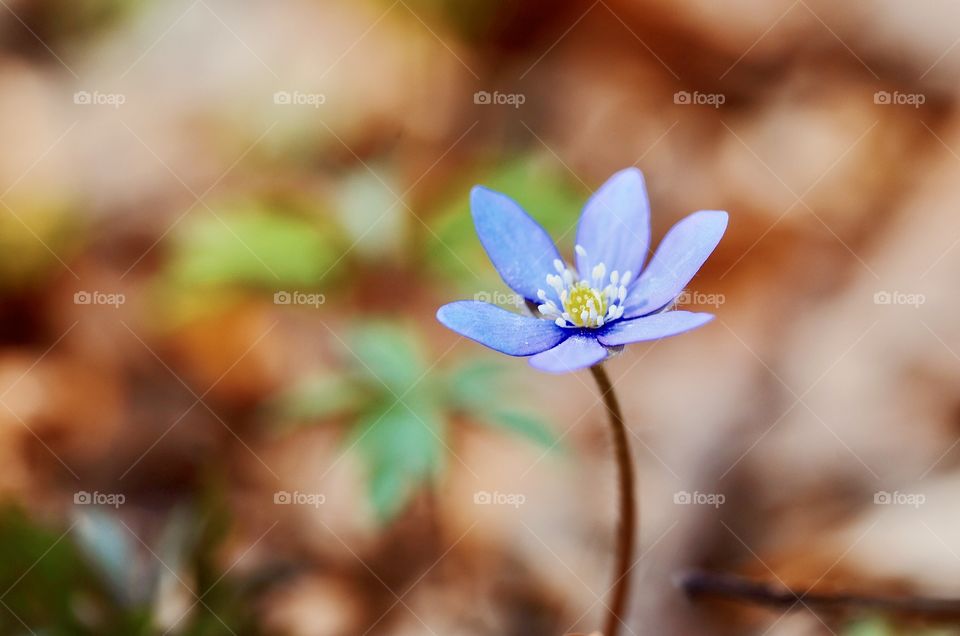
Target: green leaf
320,396
869,627
389,355
401,448
879,626
479,387
474,383
250,244
526,425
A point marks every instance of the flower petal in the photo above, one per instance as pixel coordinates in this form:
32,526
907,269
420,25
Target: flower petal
518,246
679,257
654,327
576,352
500,329
615,225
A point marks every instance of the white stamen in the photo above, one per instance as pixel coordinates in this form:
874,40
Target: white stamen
556,282
595,297
599,271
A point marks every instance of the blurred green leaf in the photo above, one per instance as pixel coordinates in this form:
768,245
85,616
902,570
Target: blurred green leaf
527,425
479,386
250,244
320,396
880,626
41,574
868,627
403,444
473,383
389,354
64,581
401,448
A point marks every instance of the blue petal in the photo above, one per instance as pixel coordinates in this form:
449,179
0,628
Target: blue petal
679,257
518,246
576,352
653,327
615,225
500,329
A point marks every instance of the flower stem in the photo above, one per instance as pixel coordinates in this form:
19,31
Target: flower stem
628,508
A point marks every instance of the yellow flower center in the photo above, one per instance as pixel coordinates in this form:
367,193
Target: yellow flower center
588,300
585,305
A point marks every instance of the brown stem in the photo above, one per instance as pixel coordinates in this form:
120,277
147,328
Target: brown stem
699,583
628,509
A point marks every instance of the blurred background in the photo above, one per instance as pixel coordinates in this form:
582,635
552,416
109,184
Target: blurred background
225,227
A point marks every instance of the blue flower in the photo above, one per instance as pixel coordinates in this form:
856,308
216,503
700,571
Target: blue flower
609,300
